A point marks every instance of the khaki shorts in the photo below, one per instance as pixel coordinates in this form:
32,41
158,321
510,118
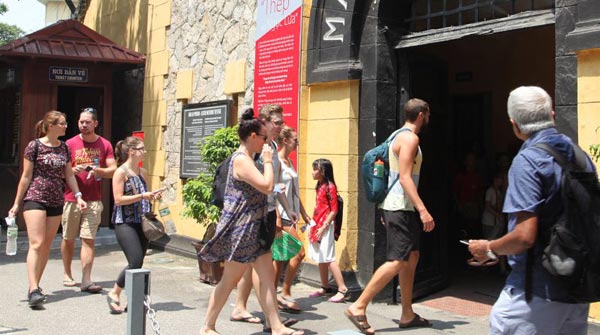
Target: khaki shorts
85,224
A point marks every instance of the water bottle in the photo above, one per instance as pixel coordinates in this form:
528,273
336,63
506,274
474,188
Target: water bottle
378,168
11,236
97,165
165,214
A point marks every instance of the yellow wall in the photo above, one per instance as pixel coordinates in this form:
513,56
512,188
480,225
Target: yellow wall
588,113
141,25
328,128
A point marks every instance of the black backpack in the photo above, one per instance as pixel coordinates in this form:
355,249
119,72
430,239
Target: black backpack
339,217
572,252
219,183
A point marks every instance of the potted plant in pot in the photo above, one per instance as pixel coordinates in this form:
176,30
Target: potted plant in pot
197,193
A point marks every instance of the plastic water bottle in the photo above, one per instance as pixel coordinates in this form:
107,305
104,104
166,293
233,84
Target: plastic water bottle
11,236
378,168
97,165
165,214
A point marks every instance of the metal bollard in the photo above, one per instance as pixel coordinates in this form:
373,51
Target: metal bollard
137,285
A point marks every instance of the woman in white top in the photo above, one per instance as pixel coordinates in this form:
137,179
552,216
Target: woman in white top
288,142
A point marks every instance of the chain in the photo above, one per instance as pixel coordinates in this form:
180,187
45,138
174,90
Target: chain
151,314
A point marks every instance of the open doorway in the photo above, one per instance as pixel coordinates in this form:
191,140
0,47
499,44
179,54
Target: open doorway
71,99
467,82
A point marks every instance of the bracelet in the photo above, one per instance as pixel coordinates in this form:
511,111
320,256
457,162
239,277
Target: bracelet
267,162
78,195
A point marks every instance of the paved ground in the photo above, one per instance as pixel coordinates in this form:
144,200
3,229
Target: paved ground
180,301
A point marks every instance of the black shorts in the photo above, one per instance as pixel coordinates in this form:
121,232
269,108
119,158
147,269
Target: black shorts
50,211
267,232
403,234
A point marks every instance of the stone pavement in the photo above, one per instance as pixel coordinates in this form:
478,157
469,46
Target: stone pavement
180,301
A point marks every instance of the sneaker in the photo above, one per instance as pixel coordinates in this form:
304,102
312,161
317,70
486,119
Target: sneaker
36,297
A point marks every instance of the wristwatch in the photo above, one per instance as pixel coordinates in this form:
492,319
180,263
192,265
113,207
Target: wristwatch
490,254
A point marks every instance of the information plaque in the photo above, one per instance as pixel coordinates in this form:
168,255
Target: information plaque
199,121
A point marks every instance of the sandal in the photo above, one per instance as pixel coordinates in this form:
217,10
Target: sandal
286,323
294,332
248,319
417,321
360,322
91,288
342,299
69,282
288,305
322,292
114,305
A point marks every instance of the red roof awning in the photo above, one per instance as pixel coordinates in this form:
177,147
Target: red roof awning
69,39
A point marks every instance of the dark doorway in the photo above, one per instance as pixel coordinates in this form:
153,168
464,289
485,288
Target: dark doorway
467,82
428,82
71,99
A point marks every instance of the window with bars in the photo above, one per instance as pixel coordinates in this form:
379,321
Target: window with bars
434,14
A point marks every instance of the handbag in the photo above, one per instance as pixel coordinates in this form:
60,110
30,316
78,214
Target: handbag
152,227
285,247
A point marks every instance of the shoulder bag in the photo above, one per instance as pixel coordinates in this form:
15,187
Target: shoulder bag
152,227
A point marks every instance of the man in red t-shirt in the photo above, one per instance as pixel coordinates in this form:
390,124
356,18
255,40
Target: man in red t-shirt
92,159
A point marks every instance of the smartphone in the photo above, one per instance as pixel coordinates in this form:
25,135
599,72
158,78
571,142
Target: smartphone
89,168
464,242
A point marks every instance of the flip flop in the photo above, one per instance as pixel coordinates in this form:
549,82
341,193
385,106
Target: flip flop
417,321
91,288
288,322
360,322
247,319
69,282
113,309
284,307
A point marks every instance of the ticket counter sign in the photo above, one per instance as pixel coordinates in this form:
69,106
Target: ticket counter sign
68,74
277,58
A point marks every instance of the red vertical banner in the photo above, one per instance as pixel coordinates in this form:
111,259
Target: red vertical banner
277,57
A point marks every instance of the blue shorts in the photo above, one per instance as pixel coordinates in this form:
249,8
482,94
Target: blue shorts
511,314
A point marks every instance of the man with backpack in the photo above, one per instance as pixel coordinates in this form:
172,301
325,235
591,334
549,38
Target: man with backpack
533,301
400,207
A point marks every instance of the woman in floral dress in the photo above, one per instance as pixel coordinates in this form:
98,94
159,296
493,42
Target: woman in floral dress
240,239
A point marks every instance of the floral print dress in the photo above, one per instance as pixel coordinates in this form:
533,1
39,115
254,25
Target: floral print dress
238,233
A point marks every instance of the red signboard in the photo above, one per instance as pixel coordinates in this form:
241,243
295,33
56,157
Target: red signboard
277,58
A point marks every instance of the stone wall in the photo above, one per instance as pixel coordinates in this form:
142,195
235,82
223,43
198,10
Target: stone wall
204,37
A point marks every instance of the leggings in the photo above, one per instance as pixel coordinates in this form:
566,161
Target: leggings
134,245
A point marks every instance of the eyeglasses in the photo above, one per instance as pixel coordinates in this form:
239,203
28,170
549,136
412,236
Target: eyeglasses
89,110
277,123
139,149
265,137
63,124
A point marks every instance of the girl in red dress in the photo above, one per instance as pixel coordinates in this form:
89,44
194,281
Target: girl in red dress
321,237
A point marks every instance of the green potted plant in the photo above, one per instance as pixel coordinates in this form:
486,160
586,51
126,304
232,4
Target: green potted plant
197,193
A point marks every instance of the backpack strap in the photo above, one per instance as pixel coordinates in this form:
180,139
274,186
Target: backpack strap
580,156
390,140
